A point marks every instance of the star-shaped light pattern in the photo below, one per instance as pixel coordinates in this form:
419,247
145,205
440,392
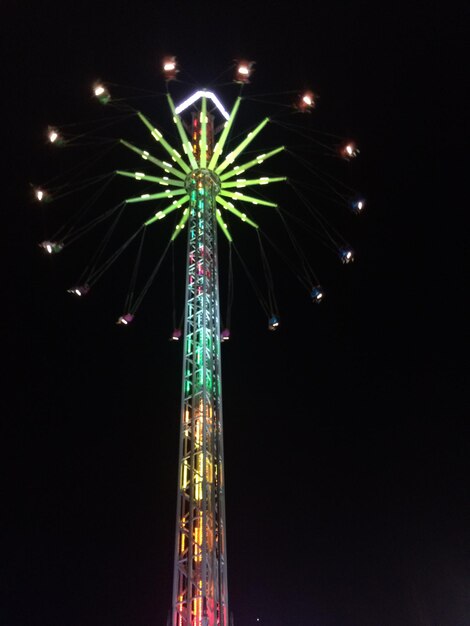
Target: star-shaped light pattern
176,174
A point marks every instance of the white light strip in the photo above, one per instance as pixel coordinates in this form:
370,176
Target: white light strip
199,94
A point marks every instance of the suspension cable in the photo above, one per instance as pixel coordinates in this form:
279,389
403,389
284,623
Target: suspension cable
268,276
149,282
173,285
93,278
91,267
130,293
228,315
256,289
310,275
66,229
321,219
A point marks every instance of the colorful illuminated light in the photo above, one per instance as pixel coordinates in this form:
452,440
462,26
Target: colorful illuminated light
317,294
51,247
81,290
346,255
199,179
306,101
243,72
176,334
53,135
349,150
101,92
358,206
40,194
273,323
170,68
126,319
201,94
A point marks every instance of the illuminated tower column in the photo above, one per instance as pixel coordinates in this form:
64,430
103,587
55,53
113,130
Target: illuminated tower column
200,572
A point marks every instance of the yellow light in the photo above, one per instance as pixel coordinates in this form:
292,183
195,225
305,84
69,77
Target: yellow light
243,69
184,477
169,67
209,471
39,194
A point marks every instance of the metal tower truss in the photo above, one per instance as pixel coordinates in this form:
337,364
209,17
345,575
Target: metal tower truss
200,596
200,579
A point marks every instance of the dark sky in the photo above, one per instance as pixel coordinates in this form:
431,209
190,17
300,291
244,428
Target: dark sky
346,440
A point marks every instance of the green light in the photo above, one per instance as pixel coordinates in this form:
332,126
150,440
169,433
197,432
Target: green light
249,138
239,169
223,138
156,196
229,207
184,138
166,167
154,179
180,225
264,180
156,134
222,225
239,196
164,212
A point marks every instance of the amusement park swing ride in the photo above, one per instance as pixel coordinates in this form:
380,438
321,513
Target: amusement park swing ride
201,182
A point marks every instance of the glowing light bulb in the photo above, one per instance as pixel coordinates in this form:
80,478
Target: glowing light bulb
39,193
101,92
53,135
243,72
316,294
170,68
346,255
357,206
307,99
79,291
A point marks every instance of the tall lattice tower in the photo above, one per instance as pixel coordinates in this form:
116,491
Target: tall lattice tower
200,572
200,596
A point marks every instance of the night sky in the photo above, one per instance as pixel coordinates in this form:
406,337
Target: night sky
346,439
